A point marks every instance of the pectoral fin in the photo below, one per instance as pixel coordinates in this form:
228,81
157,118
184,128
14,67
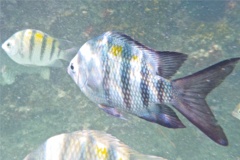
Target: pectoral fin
111,111
95,77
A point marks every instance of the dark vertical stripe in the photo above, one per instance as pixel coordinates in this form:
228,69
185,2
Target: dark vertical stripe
52,49
112,152
44,42
125,77
59,52
106,77
32,44
160,89
167,91
144,86
82,151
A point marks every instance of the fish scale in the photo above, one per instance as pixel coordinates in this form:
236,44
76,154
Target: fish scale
125,83
106,72
121,75
144,84
164,94
128,87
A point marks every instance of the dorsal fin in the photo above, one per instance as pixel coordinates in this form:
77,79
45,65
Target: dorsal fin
163,63
167,62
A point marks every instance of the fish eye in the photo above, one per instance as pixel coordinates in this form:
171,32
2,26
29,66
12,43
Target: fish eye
9,44
72,67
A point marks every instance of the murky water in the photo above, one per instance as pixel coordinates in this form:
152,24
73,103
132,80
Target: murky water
33,109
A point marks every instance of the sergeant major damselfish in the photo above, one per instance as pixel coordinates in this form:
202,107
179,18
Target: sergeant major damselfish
86,145
32,47
120,74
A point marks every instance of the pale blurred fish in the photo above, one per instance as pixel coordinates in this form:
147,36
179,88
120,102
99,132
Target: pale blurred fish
35,48
236,112
86,145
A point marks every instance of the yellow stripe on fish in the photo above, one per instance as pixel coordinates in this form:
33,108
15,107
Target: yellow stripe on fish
34,47
49,41
116,50
102,152
135,57
38,37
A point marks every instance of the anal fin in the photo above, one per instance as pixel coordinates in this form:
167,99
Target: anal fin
163,115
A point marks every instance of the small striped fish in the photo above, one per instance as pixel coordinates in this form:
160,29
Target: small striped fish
86,145
120,74
33,47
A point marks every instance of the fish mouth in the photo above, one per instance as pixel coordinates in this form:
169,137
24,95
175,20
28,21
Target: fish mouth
3,47
76,78
8,50
68,71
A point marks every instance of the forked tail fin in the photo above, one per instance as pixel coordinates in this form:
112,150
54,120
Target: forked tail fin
189,97
69,49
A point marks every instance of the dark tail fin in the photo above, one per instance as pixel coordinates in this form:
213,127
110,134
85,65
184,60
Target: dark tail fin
189,97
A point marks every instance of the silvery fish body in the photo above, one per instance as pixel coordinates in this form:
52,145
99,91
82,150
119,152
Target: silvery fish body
115,72
120,74
35,48
86,145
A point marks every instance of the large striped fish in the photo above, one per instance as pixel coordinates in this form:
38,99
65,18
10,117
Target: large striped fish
86,145
120,74
35,48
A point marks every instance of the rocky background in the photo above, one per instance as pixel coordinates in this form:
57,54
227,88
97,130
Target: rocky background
34,108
